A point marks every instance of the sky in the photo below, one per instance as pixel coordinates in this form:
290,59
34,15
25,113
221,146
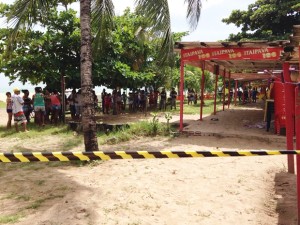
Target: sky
210,27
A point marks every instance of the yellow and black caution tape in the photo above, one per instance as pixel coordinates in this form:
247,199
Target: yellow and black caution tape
108,155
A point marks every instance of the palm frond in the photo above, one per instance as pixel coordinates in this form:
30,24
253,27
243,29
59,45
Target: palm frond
102,21
25,13
193,12
158,15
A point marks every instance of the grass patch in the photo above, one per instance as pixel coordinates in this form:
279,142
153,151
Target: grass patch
23,197
36,204
71,142
194,109
40,182
10,218
35,131
139,129
208,107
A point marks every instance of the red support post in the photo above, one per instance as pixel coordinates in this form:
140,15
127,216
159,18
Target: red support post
224,74
289,124
216,88
297,123
235,91
181,94
202,90
229,87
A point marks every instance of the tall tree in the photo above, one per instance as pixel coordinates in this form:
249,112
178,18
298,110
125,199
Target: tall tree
27,12
58,44
265,19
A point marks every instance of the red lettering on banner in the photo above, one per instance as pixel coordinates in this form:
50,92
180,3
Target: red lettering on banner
272,53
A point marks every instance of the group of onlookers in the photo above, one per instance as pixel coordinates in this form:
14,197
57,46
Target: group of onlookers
136,100
43,104
247,95
74,100
192,96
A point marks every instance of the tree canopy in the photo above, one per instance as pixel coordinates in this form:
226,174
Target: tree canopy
265,20
44,55
130,58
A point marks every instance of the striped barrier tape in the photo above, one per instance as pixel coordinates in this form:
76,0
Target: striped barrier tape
108,155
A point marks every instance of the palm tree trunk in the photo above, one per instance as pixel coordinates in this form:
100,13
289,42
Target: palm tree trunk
88,114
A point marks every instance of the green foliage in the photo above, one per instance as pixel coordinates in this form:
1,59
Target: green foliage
193,79
46,55
140,129
131,56
265,19
168,117
65,140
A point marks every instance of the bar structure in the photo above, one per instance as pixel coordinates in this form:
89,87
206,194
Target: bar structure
251,61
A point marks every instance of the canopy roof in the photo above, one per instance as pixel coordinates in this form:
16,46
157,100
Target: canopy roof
247,60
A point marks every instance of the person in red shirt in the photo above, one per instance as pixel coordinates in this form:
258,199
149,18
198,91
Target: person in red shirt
107,103
56,106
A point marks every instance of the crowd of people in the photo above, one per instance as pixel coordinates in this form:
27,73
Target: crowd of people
44,106
139,100
247,95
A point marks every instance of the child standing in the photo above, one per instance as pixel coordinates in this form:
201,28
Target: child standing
9,109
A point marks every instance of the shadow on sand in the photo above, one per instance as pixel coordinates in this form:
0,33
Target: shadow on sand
286,197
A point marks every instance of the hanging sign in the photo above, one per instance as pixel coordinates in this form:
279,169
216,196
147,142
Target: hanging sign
271,53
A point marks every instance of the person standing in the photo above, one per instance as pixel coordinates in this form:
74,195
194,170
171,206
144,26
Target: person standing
17,110
124,100
72,99
56,106
163,99
103,94
48,106
254,95
173,95
39,106
107,102
27,106
9,109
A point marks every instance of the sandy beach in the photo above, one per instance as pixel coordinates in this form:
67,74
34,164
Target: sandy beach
192,191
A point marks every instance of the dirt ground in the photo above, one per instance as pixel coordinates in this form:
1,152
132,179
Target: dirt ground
209,191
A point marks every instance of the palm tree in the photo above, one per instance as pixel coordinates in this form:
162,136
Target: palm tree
27,12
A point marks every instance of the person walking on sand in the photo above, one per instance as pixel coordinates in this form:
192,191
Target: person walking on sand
9,109
17,110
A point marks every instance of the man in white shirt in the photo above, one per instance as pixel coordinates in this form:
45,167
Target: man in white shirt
17,110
